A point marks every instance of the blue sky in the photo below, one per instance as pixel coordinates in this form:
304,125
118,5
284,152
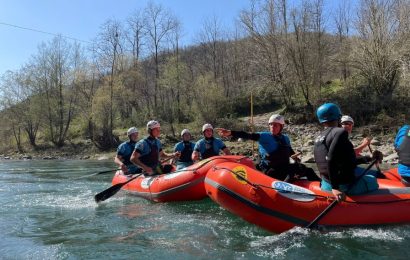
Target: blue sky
81,19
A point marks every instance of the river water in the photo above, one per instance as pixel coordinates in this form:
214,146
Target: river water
46,214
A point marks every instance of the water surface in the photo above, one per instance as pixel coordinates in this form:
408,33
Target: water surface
46,214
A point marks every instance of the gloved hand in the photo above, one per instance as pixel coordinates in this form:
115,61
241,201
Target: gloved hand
378,156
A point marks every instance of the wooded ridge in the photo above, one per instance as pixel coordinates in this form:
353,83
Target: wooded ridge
289,57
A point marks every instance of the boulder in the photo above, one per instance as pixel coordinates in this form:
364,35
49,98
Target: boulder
391,157
102,158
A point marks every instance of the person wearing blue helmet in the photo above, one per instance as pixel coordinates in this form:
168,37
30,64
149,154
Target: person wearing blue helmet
336,158
402,146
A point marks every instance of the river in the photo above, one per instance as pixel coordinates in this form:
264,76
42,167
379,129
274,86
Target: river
45,213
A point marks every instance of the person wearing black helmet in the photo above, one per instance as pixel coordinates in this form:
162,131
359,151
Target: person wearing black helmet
185,148
124,152
336,158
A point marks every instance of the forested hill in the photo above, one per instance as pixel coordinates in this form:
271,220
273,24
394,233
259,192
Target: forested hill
290,57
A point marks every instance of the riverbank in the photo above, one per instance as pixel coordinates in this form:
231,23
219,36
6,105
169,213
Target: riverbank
302,138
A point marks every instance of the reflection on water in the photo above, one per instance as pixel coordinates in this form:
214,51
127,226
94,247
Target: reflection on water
46,214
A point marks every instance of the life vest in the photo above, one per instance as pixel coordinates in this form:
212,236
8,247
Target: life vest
186,153
321,149
404,149
130,148
152,158
209,149
279,157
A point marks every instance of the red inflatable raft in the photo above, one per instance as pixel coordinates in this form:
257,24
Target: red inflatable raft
279,206
181,185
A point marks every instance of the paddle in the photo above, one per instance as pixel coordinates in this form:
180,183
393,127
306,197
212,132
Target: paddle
324,212
111,191
97,173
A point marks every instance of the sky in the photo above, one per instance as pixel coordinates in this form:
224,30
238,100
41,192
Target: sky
81,19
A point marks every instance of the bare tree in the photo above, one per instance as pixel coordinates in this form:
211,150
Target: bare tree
109,50
343,24
266,24
159,22
383,40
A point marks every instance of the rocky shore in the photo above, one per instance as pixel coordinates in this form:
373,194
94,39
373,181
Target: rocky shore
302,138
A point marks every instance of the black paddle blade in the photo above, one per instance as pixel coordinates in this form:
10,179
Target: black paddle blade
105,194
111,191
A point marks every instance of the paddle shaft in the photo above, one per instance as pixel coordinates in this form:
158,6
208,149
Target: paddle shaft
324,212
111,191
97,173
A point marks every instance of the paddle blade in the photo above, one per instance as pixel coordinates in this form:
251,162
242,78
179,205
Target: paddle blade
111,191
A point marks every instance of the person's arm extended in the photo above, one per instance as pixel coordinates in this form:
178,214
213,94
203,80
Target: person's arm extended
246,135
238,134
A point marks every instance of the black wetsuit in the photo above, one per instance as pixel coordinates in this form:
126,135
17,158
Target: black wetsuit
335,157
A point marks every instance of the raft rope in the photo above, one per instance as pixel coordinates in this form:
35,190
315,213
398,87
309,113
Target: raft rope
256,185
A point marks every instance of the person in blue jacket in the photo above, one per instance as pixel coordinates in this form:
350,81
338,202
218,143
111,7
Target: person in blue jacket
149,150
402,146
336,158
185,148
209,145
124,152
275,151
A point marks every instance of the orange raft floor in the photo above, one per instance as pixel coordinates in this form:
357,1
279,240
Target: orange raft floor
279,206
182,185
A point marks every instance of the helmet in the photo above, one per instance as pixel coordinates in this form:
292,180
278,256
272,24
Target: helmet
328,112
207,126
153,124
132,130
346,118
276,118
185,131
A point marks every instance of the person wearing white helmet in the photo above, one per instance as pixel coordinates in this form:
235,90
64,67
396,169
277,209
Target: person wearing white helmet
148,152
209,145
274,150
185,148
347,124
124,152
